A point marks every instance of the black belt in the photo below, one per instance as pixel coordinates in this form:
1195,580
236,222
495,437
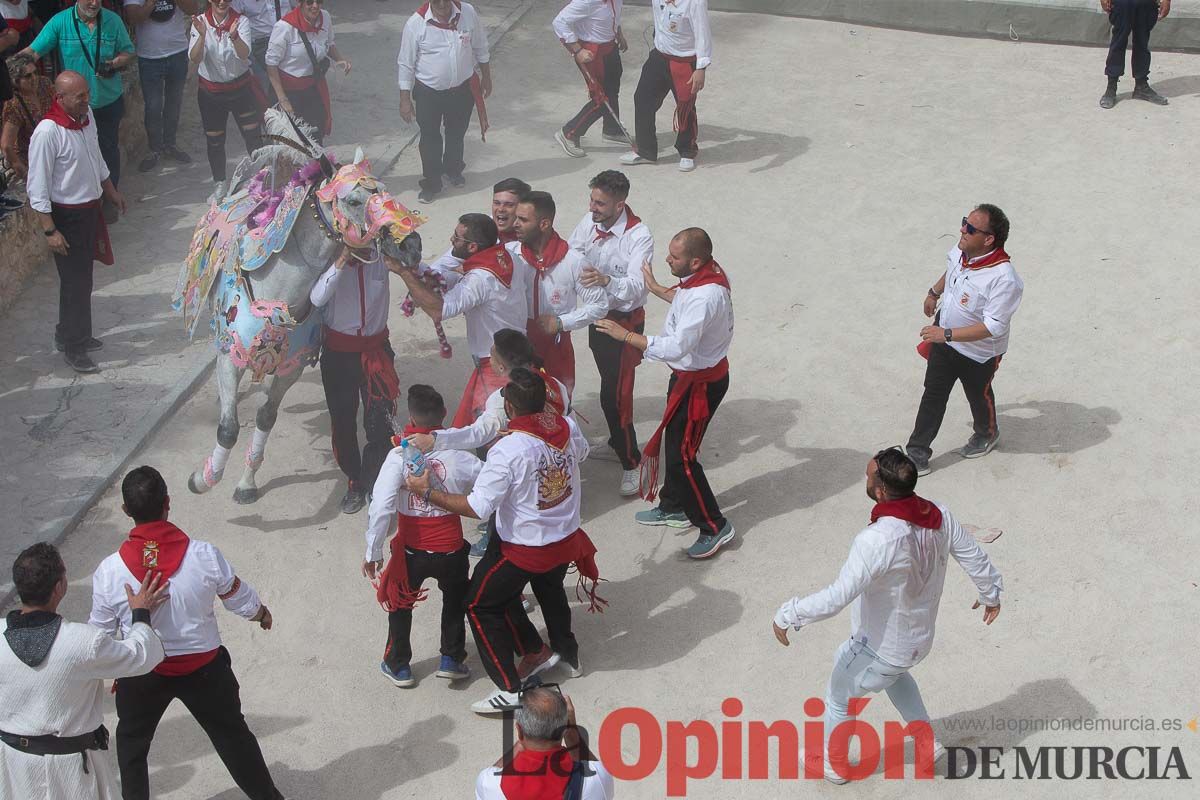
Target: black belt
58,745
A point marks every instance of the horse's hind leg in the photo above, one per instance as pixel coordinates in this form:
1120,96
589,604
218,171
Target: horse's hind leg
228,377
264,421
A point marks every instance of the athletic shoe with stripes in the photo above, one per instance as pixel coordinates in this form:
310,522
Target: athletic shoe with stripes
708,544
497,702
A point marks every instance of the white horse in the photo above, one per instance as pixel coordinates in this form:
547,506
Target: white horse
273,299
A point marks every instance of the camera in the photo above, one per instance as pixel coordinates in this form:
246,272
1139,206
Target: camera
106,69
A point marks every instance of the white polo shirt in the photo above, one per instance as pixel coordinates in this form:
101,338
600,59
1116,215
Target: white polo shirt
990,295
594,21
619,256
681,29
698,329
66,166
438,57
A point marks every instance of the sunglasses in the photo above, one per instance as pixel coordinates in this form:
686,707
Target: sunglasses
554,687
312,2
972,230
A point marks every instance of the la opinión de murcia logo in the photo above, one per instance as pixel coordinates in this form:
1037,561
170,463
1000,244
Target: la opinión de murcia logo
737,749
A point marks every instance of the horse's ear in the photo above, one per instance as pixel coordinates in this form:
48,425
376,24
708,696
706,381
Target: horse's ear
359,156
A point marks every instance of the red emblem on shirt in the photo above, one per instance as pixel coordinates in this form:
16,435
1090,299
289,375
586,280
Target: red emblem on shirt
966,298
150,555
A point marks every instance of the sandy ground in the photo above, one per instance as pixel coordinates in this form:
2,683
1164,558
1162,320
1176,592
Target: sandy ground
832,188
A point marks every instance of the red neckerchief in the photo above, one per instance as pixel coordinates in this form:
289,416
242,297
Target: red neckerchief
533,776
548,426
997,256
410,429
710,272
297,21
495,260
553,396
631,219
914,509
508,236
452,25
154,547
231,19
58,115
555,251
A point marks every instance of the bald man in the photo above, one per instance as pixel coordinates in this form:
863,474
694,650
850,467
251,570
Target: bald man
67,179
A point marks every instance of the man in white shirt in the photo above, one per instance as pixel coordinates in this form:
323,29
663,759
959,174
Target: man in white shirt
442,44
428,544
559,302
263,14
615,243
67,177
52,675
694,344
197,668
161,28
591,32
676,64
531,483
357,361
970,335
894,577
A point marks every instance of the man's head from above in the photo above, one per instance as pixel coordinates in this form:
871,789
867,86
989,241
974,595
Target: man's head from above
40,576
891,475
145,497
541,719
690,250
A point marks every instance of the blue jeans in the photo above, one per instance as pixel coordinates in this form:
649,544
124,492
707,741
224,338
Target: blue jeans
857,671
162,82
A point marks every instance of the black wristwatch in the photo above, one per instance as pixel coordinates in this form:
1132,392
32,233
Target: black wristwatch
949,334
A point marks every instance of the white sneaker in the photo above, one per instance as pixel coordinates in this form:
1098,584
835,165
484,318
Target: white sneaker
497,702
573,670
599,449
687,164
830,775
631,158
528,602
570,148
630,482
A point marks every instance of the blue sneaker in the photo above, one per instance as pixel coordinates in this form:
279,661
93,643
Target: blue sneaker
656,516
480,547
402,677
452,670
707,544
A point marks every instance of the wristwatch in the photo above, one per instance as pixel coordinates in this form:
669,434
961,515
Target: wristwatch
949,334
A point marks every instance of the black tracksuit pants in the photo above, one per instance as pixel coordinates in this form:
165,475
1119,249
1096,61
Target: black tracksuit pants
345,386
685,487
946,366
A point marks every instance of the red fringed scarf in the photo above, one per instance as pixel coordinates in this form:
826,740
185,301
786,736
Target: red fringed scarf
379,369
555,250
554,397
59,116
297,21
631,220
537,775
225,26
914,509
495,260
154,547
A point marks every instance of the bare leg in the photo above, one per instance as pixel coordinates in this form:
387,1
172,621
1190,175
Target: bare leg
264,421
228,377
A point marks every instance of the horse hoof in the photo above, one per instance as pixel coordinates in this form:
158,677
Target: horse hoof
245,496
196,484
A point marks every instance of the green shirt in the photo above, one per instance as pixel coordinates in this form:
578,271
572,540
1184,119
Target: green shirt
70,36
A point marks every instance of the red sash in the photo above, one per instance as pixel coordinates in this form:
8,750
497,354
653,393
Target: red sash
537,775
236,85
59,116
555,350
631,357
440,534
231,18
300,83
914,509
698,414
495,260
681,69
20,25
102,250
555,250
997,256
378,368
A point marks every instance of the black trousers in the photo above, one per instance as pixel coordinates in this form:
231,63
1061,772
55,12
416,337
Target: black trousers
215,109
591,111
79,227
212,695
1136,17
308,106
345,386
499,623
452,573
653,87
607,352
946,366
450,109
108,128
685,487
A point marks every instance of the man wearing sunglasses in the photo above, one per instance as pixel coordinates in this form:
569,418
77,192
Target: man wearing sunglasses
981,292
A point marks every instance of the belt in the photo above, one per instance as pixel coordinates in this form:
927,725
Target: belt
618,316
58,745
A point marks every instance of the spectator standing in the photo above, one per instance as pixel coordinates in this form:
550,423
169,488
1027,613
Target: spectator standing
162,44
263,14
30,101
1134,18
298,56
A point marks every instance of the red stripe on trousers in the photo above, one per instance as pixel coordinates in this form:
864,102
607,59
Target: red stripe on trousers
479,628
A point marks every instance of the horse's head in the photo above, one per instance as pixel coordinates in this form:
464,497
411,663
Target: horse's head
364,214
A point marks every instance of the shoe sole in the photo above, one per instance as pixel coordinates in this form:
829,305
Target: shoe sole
402,684
717,545
688,169
681,524
629,492
451,676
491,711
62,349
923,471
540,668
981,453
566,147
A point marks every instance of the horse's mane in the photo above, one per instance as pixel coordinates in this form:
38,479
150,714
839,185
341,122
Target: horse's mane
280,158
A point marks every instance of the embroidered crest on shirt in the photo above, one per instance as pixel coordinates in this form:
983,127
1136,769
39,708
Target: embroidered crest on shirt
966,298
150,555
554,480
416,503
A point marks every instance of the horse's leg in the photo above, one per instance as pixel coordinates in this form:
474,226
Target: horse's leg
228,377
264,421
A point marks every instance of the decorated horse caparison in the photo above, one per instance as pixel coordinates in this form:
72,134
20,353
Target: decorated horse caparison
288,213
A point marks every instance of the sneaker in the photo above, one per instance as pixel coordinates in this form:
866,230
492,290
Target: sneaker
175,154
978,446
402,676
656,516
452,670
708,544
81,362
570,146
427,195
921,462
615,138
353,501
1108,99
536,663
457,181
601,450
149,162
480,547
826,769
574,668
90,346
528,603
631,158
497,702
630,482
1142,91
687,164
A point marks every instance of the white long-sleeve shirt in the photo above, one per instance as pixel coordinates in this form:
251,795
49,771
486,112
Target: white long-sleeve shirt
186,622
454,470
488,306
441,58
355,298
263,14
532,487
221,63
595,21
894,576
990,295
619,256
490,424
286,49
697,331
559,291
65,166
681,29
